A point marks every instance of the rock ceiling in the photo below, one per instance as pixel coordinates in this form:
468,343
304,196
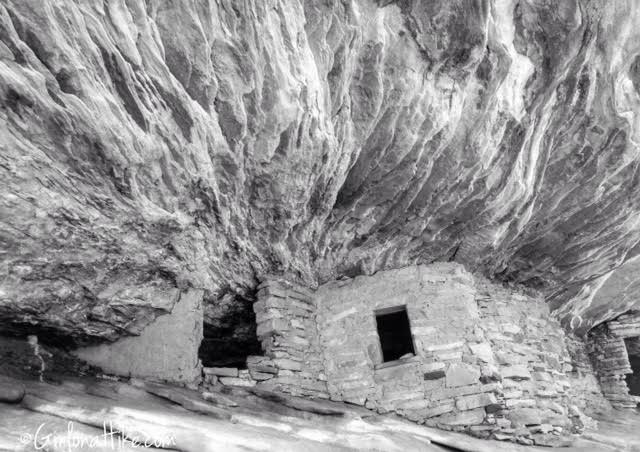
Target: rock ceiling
149,146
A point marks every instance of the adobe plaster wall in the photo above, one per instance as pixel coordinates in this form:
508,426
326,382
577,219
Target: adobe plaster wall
167,349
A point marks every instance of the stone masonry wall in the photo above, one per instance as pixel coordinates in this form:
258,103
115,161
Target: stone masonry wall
610,358
287,329
489,361
585,391
442,314
533,363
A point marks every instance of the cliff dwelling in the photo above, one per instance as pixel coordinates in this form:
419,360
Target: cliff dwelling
391,225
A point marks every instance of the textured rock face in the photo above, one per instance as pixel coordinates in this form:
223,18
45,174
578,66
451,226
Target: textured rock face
616,292
151,146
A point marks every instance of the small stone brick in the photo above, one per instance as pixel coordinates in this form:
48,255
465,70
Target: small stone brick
523,417
271,326
430,367
439,410
234,381
475,401
261,376
516,372
460,374
272,290
434,375
221,371
471,417
283,363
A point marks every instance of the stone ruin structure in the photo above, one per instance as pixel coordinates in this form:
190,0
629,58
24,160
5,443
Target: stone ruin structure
481,358
433,343
160,160
615,350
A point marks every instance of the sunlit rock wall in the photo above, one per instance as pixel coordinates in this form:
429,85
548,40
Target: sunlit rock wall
151,146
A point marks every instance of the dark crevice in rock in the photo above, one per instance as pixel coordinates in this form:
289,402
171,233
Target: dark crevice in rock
179,113
123,87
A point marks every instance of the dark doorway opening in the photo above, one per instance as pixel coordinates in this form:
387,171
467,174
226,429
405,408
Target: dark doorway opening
394,333
633,350
229,331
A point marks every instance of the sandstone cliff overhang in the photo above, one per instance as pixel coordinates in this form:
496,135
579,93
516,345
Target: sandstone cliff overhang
151,147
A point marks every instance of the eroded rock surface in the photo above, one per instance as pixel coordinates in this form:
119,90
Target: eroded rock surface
152,146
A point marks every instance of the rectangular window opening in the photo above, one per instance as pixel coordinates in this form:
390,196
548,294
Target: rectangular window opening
394,333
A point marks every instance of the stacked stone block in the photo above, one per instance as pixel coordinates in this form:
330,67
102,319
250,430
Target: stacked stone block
585,390
609,356
488,360
532,362
229,376
287,330
453,381
435,384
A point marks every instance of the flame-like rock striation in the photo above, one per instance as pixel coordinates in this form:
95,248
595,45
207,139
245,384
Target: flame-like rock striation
152,145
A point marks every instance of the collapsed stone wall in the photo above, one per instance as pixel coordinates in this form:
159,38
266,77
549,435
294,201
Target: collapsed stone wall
609,355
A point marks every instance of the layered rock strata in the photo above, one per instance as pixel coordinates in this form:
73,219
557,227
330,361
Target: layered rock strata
147,147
